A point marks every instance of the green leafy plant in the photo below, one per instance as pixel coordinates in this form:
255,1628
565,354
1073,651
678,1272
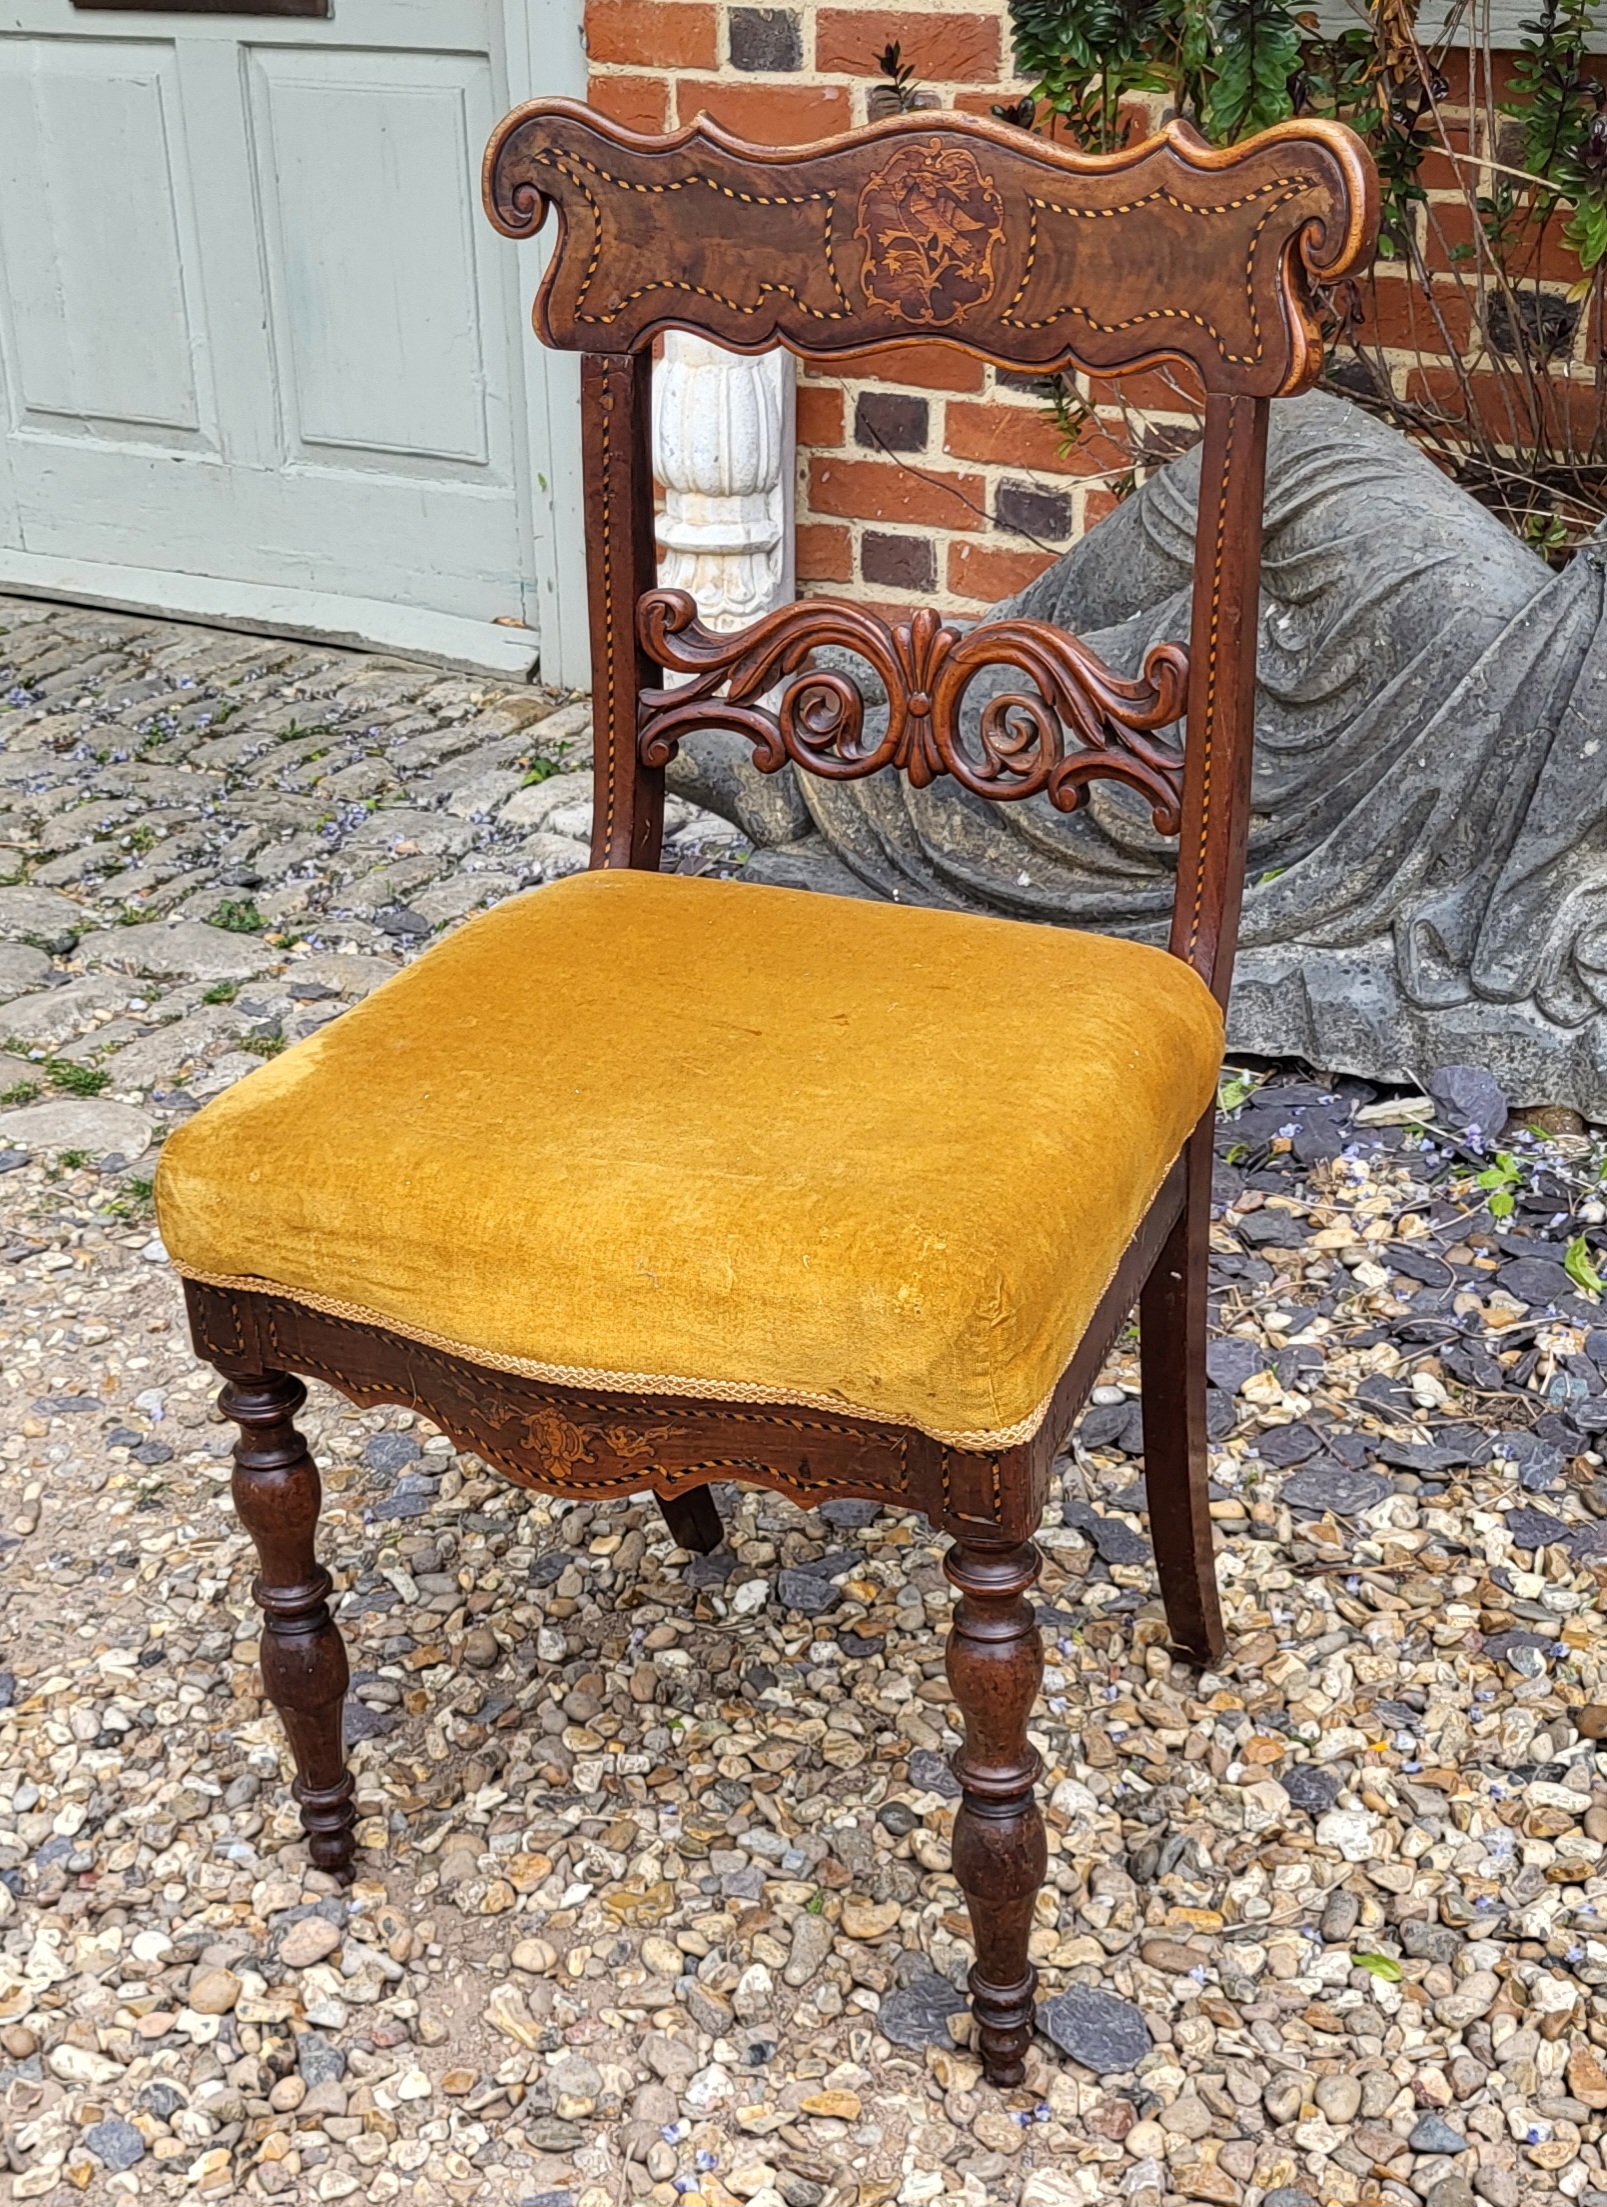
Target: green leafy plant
263,1046
1580,1268
1562,111
1382,1966
21,1092
537,770
1506,382
898,78
135,1199
221,992
1502,1179
1235,1088
77,1080
238,916
70,1160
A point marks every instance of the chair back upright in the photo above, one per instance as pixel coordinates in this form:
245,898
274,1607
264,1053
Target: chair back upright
939,227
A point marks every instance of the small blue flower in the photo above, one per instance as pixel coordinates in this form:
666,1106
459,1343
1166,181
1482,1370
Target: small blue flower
704,2161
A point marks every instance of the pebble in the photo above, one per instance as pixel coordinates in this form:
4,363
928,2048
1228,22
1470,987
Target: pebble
308,1942
1339,2097
214,1992
869,1919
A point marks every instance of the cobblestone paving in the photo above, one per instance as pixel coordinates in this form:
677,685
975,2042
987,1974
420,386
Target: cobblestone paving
654,1898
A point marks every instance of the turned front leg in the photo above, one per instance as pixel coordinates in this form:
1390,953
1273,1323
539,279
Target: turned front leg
304,1669
995,1666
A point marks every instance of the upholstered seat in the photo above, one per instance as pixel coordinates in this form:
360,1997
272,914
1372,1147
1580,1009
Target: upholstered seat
634,1130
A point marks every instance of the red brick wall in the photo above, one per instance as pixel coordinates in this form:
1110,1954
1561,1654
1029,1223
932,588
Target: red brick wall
921,472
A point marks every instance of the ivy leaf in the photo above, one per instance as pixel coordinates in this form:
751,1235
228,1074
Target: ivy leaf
1236,1089
1501,1205
1579,1268
1382,1966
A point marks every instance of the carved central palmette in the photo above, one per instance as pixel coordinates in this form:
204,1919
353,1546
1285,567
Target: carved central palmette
1077,723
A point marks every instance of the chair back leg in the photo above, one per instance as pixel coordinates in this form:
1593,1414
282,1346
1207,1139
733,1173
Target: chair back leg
693,1518
1173,1311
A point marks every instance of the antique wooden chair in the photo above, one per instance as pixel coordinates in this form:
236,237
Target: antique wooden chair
642,1181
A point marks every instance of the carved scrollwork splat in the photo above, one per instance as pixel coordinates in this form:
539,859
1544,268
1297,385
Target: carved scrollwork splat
1077,723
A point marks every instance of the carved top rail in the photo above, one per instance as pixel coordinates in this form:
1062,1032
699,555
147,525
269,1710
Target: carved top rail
1078,723
943,226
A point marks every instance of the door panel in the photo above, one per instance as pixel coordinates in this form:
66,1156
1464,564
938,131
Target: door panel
102,312
381,351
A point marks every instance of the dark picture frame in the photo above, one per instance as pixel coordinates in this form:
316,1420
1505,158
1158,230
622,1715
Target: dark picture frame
206,7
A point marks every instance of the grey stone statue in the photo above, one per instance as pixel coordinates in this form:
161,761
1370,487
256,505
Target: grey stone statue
1428,848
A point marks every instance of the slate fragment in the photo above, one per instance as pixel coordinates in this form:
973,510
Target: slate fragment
917,2014
1418,1263
1501,1647
360,1722
1113,1540
116,2143
1335,1487
1311,1787
1117,1425
850,1515
930,1773
390,1451
1284,1446
1535,1280
1538,1462
811,1593
1531,1528
1469,1099
712,1570
1271,1229
1097,2028
1231,1361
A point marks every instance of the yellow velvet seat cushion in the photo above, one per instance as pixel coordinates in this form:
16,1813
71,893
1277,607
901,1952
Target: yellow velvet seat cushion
749,1143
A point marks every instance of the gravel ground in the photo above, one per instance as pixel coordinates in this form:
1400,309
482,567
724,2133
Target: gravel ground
654,1897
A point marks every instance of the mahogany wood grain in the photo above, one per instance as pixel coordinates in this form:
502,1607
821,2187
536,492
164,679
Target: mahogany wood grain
621,567
1221,704
304,1669
1026,252
1079,722
694,1520
995,1667
1172,1332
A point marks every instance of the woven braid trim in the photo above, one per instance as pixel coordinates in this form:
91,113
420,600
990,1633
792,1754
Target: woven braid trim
625,1383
